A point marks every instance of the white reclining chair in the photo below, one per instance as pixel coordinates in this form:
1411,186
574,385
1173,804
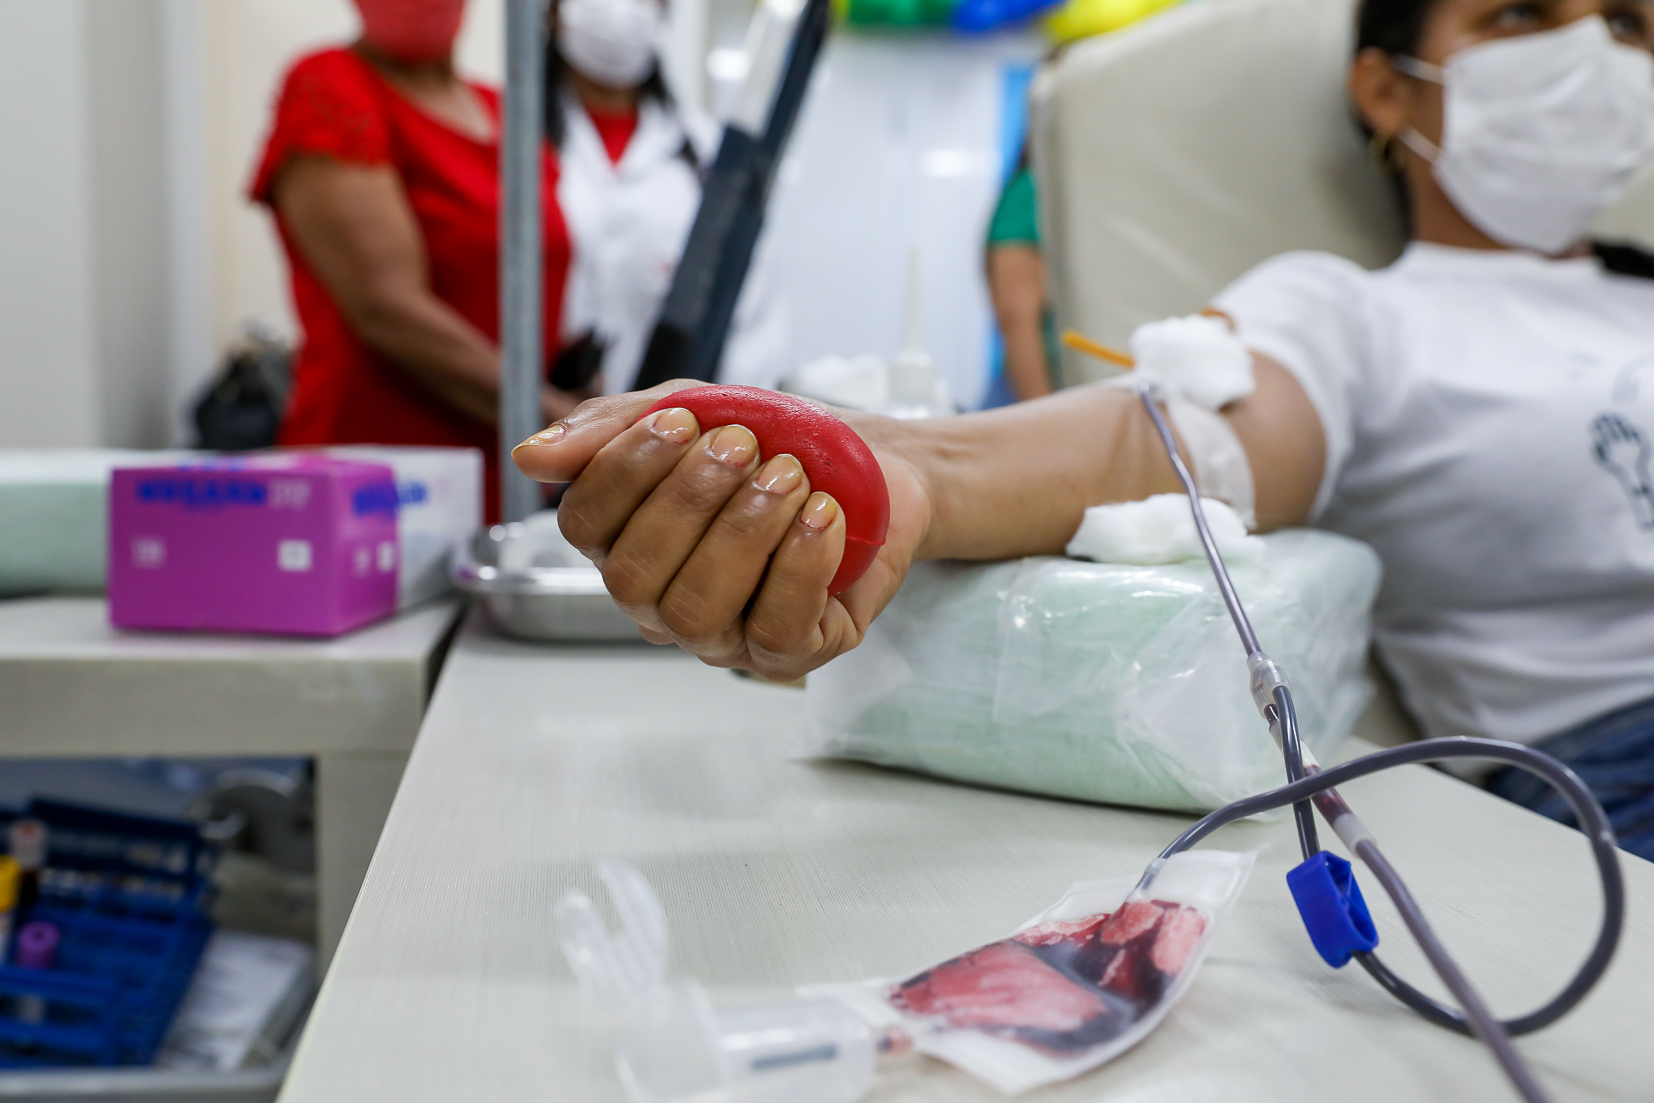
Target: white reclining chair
1173,156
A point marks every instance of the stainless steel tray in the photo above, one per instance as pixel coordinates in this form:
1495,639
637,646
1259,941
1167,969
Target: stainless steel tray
535,586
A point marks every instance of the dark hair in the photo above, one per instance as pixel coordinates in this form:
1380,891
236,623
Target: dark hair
653,87
1394,26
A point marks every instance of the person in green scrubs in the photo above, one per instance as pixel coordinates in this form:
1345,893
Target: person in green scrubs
1016,286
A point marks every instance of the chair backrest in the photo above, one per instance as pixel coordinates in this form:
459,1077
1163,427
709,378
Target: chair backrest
1173,156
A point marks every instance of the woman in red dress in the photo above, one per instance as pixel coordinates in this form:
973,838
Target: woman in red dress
382,168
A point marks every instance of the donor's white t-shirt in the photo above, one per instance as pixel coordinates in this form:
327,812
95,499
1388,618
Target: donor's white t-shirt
1490,431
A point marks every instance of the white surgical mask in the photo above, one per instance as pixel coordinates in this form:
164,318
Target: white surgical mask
611,42
1540,132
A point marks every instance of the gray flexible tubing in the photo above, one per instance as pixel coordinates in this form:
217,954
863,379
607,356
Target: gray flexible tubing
1488,1029
1282,718
1593,824
1476,1019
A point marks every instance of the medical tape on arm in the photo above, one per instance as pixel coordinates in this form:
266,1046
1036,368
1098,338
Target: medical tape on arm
1198,365
1221,468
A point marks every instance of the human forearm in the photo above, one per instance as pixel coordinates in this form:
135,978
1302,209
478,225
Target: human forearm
354,227
1016,481
1016,284
1000,485
449,356
1025,366
427,339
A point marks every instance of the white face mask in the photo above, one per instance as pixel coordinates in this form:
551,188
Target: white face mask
611,42
1540,132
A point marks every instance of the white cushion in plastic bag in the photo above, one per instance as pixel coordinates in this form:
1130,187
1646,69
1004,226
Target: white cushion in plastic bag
1101,681
54,512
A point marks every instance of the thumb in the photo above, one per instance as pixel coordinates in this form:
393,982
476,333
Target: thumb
560,452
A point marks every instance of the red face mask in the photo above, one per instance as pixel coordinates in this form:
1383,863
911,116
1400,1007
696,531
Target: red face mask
412,30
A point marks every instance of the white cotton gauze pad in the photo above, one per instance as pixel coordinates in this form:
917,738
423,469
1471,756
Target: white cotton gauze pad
1160,529
1196,357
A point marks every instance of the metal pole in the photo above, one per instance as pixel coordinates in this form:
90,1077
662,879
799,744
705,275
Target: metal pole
521,356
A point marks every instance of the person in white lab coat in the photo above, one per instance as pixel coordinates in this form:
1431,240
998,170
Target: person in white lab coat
631,161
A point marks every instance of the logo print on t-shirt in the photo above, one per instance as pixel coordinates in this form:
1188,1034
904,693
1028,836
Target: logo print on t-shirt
1623,450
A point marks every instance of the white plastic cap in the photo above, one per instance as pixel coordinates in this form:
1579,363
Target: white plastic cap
27,842
803,1051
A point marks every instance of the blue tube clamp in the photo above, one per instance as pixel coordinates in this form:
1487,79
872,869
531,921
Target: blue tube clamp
1334,914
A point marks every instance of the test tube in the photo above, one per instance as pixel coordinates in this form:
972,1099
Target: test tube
27,842
10,875
36,949
37,945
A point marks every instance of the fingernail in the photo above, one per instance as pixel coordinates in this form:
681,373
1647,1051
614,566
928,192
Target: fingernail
818,511
550,435
780,476
734,445
676,425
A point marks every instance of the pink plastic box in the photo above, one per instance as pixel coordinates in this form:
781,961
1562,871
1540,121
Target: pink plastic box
295,544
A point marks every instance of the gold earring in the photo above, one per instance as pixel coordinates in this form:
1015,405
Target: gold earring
1385,156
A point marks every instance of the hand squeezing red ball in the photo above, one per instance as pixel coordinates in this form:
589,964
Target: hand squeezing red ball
753,528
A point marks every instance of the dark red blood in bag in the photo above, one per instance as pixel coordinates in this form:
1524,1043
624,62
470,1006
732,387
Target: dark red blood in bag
1002,985
1077,931
1176,940
1071,945
836,460
1130,921
1066,985
1131,972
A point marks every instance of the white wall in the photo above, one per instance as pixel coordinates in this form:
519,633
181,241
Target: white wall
49,390
897,146
128,188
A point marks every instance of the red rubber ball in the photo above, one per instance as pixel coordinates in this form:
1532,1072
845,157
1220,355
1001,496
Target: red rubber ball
836,460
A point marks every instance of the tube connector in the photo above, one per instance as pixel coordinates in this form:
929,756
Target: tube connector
1267,676
1348,827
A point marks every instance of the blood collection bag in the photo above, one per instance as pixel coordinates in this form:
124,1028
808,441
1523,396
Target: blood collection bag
1072,988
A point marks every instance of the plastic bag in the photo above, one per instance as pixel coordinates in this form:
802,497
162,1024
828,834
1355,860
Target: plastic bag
1101,681
1074,987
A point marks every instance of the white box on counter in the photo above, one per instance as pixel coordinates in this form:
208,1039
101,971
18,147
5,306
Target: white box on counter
439,493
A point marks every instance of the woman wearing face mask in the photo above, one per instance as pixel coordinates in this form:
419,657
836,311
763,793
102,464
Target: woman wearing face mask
631,161
1481,412
382,168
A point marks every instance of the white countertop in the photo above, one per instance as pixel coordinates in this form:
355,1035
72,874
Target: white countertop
72,685
774,873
